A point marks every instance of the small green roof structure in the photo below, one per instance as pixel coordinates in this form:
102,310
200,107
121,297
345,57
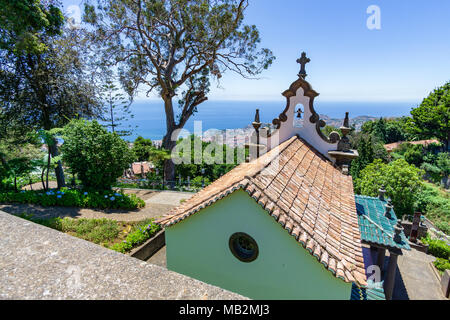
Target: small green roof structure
376,226
369,293
380,228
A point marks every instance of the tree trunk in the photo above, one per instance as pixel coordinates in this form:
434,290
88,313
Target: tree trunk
42,179
48,169
168,143
169,166
59,172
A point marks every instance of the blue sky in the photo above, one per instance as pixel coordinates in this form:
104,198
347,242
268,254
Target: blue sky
403,61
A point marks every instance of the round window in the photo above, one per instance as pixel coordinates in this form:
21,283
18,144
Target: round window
243,247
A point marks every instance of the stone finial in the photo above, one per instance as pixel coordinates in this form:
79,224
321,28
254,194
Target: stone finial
344,144
381,193
389,208
346,121
257,123
303,61
398,228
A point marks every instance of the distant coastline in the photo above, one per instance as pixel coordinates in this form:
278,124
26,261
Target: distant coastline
149,116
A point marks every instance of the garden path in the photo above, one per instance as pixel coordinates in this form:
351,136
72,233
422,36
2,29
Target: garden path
416,280
157,204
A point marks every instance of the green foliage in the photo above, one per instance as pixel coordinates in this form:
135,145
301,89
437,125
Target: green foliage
379,129
142,149
197,182
175,48
101,231
366,156
437,166
395,131
18,156
138,236
211,157
443,163
96,155
414,155
437,248
24,22
54,223
45,90
74,198
117,109
401,180
98,231
432,118
435,203
387,130
159,156
442,264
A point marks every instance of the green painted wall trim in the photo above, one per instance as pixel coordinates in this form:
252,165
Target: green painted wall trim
198,247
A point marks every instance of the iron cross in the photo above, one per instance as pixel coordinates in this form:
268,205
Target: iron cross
303,61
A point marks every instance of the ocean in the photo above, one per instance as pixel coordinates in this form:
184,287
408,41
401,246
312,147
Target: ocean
149,118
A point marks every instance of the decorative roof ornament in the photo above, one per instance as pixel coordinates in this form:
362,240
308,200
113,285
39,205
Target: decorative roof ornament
303,60
389,208
257,123
344,153
344,144
398,228
381,193
301,95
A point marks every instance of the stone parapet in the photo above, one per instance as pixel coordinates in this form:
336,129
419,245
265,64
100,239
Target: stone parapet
42,263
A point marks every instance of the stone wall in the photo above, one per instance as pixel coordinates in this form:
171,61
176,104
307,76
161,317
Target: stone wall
41,263
422,229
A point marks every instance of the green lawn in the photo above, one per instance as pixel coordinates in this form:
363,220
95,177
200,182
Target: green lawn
435,202
115,235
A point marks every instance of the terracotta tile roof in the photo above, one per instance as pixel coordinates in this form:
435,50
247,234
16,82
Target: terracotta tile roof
306,194
138,167
391,146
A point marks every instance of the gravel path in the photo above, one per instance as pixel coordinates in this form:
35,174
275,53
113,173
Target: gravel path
157,204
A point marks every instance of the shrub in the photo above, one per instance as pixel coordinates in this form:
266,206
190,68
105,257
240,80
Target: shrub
197,182
96,155
75,198
436,205
401,180
101,231
442,264
443,226
437,248
138,236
